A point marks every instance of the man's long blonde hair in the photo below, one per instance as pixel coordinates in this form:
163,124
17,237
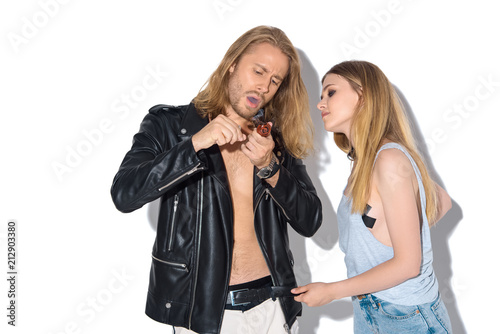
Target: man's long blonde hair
288,109
379,115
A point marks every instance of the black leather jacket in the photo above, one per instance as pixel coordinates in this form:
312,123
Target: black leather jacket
192,253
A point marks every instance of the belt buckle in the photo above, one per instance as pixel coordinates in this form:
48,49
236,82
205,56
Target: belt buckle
231,293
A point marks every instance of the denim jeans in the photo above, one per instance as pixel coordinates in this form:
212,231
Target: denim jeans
374,315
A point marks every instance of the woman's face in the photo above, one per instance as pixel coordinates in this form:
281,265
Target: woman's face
338,103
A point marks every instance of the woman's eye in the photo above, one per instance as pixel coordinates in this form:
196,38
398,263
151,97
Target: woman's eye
330,93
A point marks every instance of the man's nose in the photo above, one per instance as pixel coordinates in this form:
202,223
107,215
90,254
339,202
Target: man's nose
263,86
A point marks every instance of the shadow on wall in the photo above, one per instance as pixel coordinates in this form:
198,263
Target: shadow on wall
327,236
441,232
153,213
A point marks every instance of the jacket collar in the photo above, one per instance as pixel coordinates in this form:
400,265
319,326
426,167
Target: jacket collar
192,122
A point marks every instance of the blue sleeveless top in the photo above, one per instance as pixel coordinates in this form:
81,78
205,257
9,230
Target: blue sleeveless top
363,251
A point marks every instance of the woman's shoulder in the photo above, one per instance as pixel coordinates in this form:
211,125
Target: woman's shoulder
392,164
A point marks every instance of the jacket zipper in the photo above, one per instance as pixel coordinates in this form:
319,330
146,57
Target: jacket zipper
198,243
268,193
228,274
259,199
174,264
172,225
189,172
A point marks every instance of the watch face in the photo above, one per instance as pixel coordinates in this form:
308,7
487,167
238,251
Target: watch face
264,172
270,170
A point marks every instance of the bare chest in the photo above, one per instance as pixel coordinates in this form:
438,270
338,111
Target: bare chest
238,166
248,262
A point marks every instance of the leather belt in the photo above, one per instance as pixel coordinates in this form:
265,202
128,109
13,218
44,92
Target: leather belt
247,296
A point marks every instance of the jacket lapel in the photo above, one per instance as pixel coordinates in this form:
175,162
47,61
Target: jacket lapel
190,125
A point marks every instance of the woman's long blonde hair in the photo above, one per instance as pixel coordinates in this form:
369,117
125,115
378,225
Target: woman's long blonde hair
288,109
379,115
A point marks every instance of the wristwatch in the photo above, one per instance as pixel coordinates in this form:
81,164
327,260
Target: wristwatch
270,170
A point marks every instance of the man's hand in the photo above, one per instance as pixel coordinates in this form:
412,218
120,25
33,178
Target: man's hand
221,130
259,149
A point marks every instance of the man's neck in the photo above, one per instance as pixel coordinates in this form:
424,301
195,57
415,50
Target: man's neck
245,124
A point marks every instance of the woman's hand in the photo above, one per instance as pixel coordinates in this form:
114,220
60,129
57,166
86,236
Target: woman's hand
315,294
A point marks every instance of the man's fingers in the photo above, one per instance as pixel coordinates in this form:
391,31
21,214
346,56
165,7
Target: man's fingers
230,129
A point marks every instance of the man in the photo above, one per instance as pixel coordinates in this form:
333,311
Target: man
221,259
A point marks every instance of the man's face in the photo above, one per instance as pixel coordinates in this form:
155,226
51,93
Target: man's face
255,79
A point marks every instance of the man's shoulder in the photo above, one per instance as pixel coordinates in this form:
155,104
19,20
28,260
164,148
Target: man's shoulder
168,108
173,116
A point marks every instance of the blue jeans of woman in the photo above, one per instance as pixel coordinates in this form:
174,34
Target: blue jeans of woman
374,315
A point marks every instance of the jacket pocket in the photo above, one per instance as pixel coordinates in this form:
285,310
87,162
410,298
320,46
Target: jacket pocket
170,282
173,221
178,265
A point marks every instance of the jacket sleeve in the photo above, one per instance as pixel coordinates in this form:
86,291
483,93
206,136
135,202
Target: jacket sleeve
296,195
157,161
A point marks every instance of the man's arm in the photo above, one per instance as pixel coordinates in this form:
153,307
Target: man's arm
296,195
151,167
290,187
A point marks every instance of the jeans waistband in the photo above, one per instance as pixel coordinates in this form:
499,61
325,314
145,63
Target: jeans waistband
363,296
366,298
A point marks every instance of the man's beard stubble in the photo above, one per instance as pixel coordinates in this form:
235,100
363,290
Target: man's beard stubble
236,95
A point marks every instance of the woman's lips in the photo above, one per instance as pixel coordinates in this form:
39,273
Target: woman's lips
324,113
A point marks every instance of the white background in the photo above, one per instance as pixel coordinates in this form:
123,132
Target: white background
76,82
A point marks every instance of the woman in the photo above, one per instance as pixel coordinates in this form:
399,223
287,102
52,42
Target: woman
386,210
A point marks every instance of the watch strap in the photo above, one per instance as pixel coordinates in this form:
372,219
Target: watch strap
270,170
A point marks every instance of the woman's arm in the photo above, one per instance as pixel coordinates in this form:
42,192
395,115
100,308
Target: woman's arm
396,184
